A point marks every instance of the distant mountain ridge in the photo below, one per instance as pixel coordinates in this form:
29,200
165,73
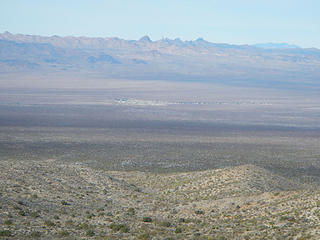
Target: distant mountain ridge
270,65
275,45
98,42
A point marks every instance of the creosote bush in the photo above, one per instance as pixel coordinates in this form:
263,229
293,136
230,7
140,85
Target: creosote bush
199,212
147,219
64,233
5,233
48,223
119,227
90,233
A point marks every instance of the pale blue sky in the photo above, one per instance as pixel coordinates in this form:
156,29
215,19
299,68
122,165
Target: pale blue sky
229,21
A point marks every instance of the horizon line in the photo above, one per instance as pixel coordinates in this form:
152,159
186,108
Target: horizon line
147,37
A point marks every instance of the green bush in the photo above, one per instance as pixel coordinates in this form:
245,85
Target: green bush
166,224
8,222
119,227
64,233
131,212
144,236
48,223
147,219
199,212
90,233
34,214
5,233
22,213
35,234
63,202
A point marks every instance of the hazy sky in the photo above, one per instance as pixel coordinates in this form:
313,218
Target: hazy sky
230,21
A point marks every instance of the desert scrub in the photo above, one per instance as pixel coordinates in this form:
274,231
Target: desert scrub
69,223
199,212
34,214
131,212
22,213
35,235
147,219
5,233
100,209
48,223
8,222
109,214
100,214
90,216
144,236
119,227
166,224
34,196
90,233
64,233
85,226
183,220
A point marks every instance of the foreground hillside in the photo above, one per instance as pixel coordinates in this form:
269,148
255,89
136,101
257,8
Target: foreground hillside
51,200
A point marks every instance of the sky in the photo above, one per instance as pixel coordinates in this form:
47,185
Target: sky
221,21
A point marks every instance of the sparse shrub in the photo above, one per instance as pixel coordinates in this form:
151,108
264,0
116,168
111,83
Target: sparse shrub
147,219
35,234
8,222
135,188
48,223
144,236
166,224
119,227
287,218
5,233
178,230
90,216
22,213
63,211
222,238
131,212
69,222
64,233
84,226
16,207
34,214
100,209
109,214
199,212
34,196
90,233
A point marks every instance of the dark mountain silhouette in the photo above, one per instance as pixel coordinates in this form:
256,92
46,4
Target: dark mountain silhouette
268,65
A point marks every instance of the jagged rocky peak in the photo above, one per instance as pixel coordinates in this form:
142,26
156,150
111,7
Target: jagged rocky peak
200,40
6,33
145,39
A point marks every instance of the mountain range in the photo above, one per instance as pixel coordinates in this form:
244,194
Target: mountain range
270,65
